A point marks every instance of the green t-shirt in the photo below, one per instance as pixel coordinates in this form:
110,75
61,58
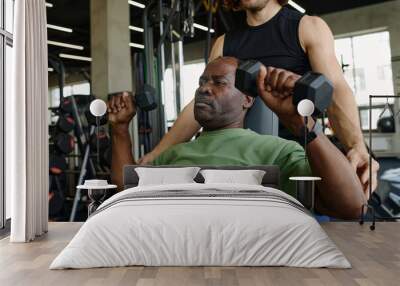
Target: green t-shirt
241,147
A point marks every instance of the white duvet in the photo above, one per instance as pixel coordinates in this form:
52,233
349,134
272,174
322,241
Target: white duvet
208,230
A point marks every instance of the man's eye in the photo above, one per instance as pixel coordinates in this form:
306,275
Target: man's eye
218,82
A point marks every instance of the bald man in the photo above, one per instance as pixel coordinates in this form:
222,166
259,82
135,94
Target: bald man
220,109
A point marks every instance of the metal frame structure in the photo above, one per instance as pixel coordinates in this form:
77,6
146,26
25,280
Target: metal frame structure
156,117
6,39
368,206
87,166
209,24
155,63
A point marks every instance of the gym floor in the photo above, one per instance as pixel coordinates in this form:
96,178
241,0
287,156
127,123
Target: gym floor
374,255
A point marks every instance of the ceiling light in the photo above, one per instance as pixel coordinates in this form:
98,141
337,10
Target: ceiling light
73,57
49,5
134,45
296,6
137,4
137,29
201,27
65,45
50,69
59,28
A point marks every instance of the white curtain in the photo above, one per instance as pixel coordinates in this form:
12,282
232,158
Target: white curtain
26,124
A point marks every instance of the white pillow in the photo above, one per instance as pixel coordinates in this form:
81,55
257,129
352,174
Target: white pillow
166,176
248,177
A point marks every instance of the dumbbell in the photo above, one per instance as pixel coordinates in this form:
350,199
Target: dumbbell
81,102
64,142
65,123
144,97
312,86
57,164
103,139
66,105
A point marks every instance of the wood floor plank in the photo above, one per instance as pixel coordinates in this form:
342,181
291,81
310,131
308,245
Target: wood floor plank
375,258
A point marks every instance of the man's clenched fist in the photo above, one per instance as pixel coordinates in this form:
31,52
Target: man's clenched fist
121,109
275,87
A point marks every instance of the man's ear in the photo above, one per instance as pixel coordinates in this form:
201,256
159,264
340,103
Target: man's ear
248,102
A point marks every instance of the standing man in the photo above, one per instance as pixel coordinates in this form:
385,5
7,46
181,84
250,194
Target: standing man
279,37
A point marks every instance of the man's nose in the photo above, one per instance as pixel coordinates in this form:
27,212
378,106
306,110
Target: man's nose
205,88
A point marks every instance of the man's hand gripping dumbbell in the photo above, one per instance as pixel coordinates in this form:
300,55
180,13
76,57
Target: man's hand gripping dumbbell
282,91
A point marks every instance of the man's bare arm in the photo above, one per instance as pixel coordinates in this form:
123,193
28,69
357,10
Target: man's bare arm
121,110
317,40
185,126
121,154
340,192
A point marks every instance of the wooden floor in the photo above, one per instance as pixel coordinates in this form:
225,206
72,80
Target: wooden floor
375,257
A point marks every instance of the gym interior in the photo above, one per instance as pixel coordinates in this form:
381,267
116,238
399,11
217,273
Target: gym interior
111,112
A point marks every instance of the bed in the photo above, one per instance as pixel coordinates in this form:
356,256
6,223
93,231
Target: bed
197,224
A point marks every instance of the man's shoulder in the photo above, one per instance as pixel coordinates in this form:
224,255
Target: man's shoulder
313,30
271,138
264,141
165,157
281,143
218,47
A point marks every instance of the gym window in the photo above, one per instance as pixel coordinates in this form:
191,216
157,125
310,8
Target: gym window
6,64
69,89
367,65
190,81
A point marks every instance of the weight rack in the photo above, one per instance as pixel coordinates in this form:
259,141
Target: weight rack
368,206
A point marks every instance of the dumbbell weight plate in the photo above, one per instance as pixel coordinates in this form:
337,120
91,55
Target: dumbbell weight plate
246,77
66,105
315,87
64,142
57,164
145,97
104,141
65,123
82,102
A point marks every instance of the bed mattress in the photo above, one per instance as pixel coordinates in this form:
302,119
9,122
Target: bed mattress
201,225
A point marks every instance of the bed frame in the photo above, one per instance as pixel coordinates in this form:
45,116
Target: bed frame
270,179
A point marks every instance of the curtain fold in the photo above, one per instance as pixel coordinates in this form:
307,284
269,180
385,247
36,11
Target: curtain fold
27,124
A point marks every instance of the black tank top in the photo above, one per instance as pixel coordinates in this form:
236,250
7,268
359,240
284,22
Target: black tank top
275,43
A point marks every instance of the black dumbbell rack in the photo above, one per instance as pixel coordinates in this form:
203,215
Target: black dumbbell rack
89,168
64,143
74,107
375,218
